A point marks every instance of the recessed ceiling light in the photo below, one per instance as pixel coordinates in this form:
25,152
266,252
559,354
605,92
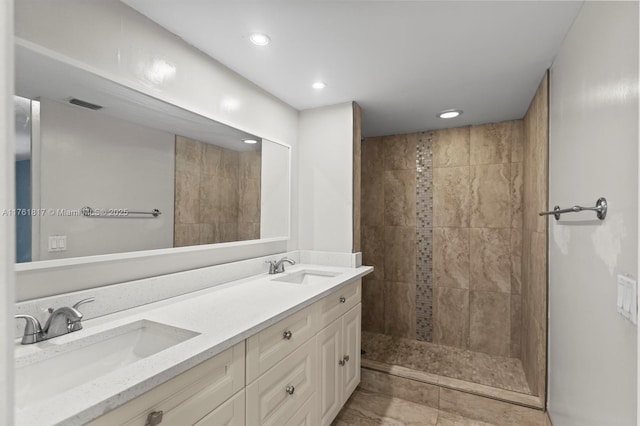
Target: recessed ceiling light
250,141
319,85
450,113
259,39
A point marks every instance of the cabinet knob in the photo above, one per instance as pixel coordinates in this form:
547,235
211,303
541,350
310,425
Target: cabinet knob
343,299
287,335
154,418
290,389
342,362
346,358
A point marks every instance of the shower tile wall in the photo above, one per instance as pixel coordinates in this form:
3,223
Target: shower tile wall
217,194
477,219
389,234
477,182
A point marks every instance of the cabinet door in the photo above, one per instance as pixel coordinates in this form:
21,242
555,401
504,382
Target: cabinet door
231,413
276,395
351,339
307,415
330,385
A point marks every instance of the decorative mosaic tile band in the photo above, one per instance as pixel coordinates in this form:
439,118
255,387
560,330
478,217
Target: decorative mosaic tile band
424,238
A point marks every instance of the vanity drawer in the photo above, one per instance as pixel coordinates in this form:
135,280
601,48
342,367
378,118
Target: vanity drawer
338,303
187,398
267,348
231,413
281,391
306,415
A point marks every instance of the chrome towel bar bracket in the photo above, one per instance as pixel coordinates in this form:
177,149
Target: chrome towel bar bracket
600,209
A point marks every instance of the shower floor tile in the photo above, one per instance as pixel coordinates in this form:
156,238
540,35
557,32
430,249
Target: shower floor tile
490,370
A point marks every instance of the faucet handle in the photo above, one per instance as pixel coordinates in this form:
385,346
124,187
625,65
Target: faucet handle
32,330
272,266
83,301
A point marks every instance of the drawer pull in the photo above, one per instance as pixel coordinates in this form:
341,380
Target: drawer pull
154,418
287,335
343,299
290,390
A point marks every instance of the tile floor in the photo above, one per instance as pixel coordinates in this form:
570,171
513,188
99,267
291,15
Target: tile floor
366,408
476,367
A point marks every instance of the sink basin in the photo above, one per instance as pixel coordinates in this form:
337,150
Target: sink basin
60,367
307,276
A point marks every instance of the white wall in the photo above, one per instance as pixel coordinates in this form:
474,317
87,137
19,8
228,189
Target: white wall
113,41
325,191
593,152
275,190
7,201
90,159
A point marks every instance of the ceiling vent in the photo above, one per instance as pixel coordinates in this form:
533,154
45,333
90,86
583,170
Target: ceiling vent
84,104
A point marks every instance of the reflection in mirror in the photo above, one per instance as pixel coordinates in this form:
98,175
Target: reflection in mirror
103,157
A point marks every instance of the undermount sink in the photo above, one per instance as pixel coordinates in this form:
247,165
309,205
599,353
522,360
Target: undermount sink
60,367
307,276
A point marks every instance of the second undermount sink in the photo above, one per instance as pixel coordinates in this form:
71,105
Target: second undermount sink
60,367
307,276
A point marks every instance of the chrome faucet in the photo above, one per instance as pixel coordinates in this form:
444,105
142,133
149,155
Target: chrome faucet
61,321
277,267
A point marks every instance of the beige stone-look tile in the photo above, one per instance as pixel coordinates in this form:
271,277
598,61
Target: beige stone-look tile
372,156
186,235
400,309
516,325
491,143
248,231
400,198
451,197
490,196
449,419
400,152
373,305
490,322
250,164
399,387
210,199
400,253
451,147
451,257
516,260
516,188
489,410
230,164
490,259
372,202
207,233
517,141
373,248
249,200
212,160
188,155
368,408
229,231
451,316
187,202
229,200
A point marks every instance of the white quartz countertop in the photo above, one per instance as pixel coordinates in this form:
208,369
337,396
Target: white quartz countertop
222,315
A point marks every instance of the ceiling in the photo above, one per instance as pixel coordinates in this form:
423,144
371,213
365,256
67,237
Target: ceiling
402,61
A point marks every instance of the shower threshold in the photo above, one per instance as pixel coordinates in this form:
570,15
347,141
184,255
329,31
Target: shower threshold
481,374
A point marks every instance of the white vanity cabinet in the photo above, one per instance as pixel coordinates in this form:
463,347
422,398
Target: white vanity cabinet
339,363
188,398
297,372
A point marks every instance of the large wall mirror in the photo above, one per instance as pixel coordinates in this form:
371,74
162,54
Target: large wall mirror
104,169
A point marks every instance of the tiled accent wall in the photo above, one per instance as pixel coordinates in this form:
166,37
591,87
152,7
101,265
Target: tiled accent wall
217,194
389,234
534,241
424,237
477,209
